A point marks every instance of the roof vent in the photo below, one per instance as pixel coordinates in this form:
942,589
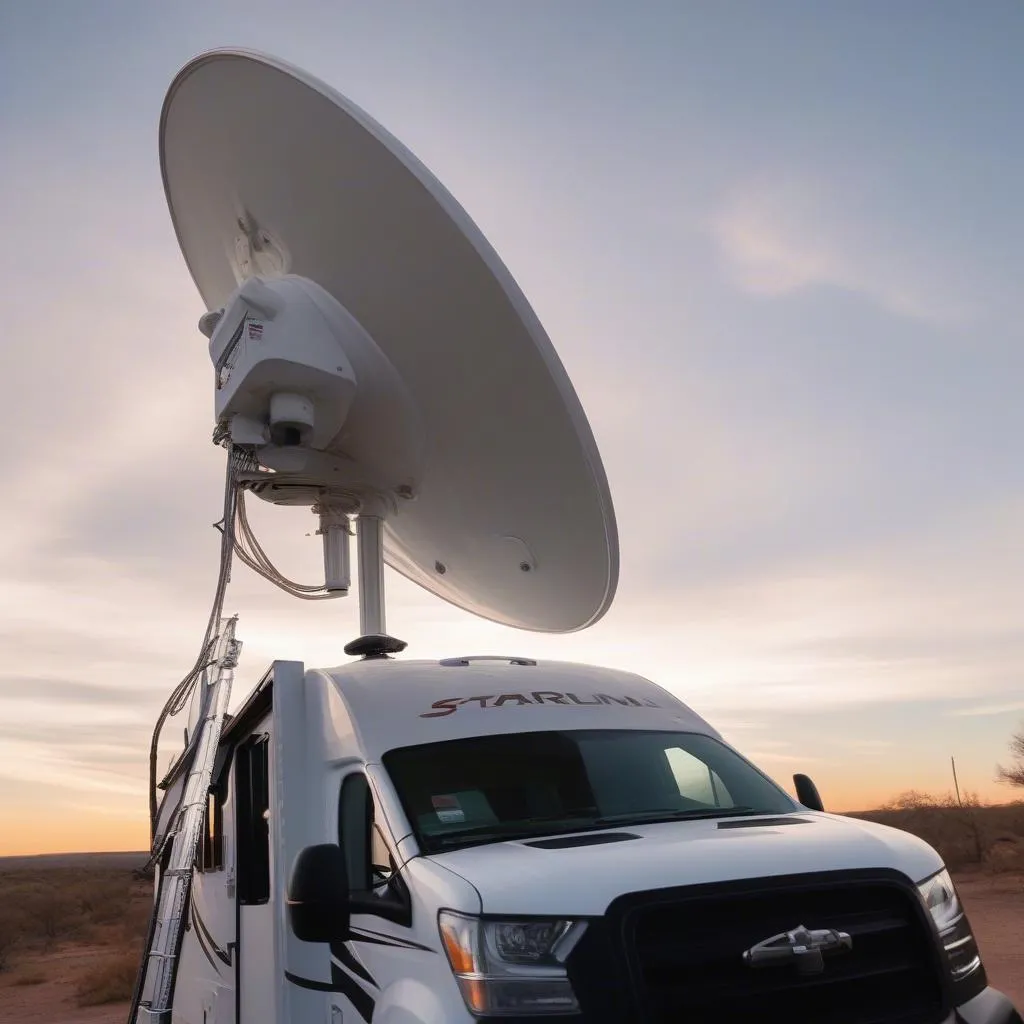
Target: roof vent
462,662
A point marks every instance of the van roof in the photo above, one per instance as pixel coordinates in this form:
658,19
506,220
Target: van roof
396,703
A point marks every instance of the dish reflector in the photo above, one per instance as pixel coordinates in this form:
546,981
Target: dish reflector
269,172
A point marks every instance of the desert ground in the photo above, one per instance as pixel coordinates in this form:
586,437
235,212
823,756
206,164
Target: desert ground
71,926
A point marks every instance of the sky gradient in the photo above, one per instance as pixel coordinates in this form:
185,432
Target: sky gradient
778,249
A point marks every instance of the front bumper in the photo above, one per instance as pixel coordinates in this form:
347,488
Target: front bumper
987,1007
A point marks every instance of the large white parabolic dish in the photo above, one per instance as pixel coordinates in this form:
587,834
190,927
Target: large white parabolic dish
513,521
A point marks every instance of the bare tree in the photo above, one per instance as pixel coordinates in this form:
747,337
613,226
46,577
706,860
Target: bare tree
1014,775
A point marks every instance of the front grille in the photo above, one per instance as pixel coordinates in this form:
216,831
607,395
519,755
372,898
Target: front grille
685,952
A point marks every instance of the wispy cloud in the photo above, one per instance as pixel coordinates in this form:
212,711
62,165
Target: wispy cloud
781,235
986,710
770,757
770,243
862,743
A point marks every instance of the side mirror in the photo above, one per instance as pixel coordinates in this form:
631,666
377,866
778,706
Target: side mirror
807,793
318,894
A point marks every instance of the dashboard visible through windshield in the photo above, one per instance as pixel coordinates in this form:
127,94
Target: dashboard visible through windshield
490,788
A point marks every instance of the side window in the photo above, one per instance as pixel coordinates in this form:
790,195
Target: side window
360,835
696,780
252,782
355,825
211,848
382,867
373,873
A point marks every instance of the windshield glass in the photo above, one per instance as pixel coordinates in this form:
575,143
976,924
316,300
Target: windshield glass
488,788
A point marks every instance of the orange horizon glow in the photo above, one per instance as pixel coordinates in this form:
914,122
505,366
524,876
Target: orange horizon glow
37,835
27,835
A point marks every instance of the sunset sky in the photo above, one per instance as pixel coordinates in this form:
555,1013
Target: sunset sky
778,247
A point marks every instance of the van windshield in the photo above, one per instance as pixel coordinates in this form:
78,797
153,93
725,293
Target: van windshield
489,788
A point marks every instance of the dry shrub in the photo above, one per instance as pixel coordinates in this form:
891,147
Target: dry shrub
1005,855
57,904
106,902
96,935
12,927
111,980
50,915
965,835
29,978
135,921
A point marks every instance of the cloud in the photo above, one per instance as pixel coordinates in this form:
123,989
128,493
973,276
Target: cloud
862,743
29,762
65,692
774,757
985,710
780,235
766,248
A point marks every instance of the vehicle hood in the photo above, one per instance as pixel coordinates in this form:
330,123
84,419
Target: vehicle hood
518,877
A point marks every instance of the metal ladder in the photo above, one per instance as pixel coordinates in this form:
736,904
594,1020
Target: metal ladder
155,989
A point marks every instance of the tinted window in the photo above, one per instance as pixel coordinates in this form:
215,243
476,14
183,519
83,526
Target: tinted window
492,787
252,782
374,880
210,856
359,832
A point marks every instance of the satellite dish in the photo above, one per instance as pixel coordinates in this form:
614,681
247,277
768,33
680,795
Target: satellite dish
374,356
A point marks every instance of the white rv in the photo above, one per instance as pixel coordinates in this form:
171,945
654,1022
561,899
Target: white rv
411,842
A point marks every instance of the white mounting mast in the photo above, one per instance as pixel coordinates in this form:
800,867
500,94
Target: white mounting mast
370,536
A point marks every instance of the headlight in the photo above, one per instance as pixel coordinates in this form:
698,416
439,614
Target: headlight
961,951
509,968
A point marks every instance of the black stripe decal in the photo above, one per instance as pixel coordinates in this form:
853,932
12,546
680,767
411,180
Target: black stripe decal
380,939
316,986
344,954
340,982
201,927
202,945
361,1000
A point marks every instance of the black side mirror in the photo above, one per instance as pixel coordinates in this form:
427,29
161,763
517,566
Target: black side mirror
807,793
318,894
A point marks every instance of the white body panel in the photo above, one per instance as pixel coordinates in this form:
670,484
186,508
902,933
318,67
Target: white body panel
258,984
205,986
325,726
514,878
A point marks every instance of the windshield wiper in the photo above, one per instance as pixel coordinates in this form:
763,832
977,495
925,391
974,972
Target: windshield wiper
529,826
517,829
